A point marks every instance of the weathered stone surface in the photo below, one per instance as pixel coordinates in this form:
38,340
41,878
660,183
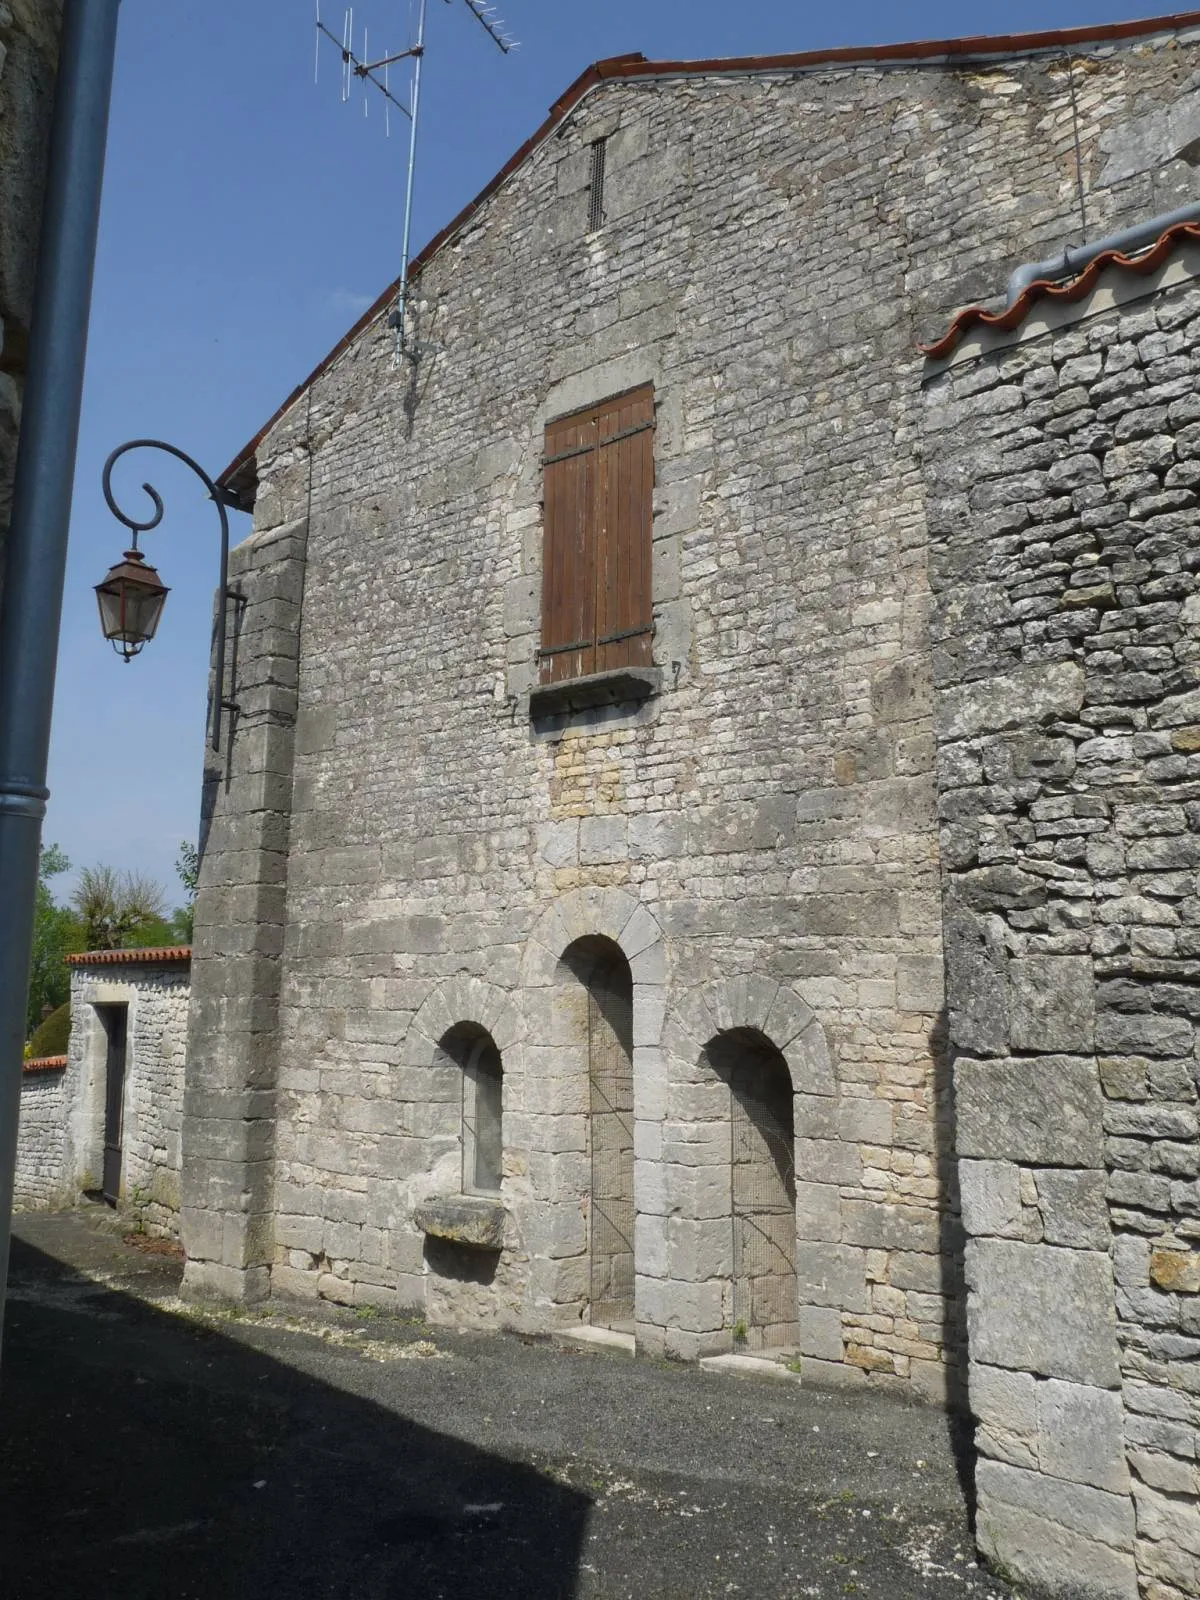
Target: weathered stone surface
1037,1550
1005,1405
463,1219
1080,1435
1047,1109
1053,1004
1072,1204
1035,1308
1177,1271
991,1198
1009,700
976,982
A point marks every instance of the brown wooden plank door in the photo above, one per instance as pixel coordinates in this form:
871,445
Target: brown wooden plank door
116,1027
568,571
625,491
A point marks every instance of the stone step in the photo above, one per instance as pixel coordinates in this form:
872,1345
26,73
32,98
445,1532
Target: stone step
749,1367
585,1337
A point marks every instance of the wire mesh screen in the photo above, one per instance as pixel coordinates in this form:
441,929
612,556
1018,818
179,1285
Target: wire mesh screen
763,1183
610,1072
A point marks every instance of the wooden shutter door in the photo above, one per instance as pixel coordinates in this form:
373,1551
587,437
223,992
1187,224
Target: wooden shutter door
568,556
625,491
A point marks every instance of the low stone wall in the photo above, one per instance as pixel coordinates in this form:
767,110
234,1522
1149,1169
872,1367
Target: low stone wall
1064,486
154,985
39,1175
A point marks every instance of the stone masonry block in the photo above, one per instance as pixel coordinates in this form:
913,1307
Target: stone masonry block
1052,1004
1052,1560
1009,700
1046,1110
1080,1435
991,1198
1038,1308
820,1333
1005,1406
1073,1207
832,1275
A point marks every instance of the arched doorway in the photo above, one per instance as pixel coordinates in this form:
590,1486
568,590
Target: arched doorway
602,970
762,1184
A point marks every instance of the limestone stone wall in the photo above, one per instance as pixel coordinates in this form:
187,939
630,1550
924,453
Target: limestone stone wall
759,838
28,59
1065,563
156,994
39,1175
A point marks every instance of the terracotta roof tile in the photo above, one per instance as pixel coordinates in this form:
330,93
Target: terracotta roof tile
1143,262
111,958
44,1064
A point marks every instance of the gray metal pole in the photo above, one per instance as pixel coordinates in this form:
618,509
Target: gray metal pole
31,603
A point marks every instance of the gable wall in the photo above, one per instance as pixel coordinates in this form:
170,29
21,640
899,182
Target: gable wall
772,251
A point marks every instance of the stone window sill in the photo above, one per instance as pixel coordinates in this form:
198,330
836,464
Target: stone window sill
621,686
463,1219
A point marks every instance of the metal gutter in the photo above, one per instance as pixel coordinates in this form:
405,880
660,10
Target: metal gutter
1073,260
31,602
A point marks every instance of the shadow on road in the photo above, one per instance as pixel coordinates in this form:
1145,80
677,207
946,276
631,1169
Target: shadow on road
150,1458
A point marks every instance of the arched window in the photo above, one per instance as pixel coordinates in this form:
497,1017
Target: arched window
474,1051
483,1144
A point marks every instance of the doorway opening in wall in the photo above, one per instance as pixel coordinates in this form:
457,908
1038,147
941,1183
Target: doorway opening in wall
762,1188
602,969
115,1021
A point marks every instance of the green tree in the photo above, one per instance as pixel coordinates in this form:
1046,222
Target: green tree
118,910
183,918
56,935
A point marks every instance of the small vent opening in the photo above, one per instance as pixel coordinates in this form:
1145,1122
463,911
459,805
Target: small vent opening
596,198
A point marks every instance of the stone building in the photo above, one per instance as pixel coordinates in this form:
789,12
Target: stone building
105,1119
1062,446
703,851
28,62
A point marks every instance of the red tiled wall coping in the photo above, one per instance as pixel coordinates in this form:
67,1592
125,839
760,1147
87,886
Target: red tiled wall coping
44,1064
127,958
1145,262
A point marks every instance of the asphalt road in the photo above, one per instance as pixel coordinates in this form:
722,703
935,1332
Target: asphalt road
148,1453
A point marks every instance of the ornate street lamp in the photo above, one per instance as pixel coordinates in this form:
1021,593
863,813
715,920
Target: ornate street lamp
132,594
131,599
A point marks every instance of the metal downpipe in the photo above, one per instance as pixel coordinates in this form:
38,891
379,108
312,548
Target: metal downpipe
1071,261
31,601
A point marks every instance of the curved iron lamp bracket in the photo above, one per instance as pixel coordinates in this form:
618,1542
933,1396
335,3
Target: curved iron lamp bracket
222,499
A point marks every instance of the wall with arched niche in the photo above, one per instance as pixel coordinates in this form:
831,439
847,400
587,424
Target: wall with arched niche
556,1106
475,1257
684,1238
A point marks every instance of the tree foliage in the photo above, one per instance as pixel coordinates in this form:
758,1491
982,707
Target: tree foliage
55,936
107,910
187,865
118,910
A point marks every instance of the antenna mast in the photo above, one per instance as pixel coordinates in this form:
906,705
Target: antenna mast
368,71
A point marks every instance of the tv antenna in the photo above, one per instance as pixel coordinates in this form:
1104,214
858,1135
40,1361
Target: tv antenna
376,74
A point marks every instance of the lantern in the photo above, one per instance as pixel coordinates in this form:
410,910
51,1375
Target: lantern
131,600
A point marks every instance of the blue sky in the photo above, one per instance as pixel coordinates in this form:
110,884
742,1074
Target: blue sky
248,218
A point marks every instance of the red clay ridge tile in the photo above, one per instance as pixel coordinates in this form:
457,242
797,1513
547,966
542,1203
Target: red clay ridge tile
44,1064
1143,263
112,958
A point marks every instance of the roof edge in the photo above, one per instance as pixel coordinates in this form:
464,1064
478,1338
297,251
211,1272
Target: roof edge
1143,262
235,477
154,956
